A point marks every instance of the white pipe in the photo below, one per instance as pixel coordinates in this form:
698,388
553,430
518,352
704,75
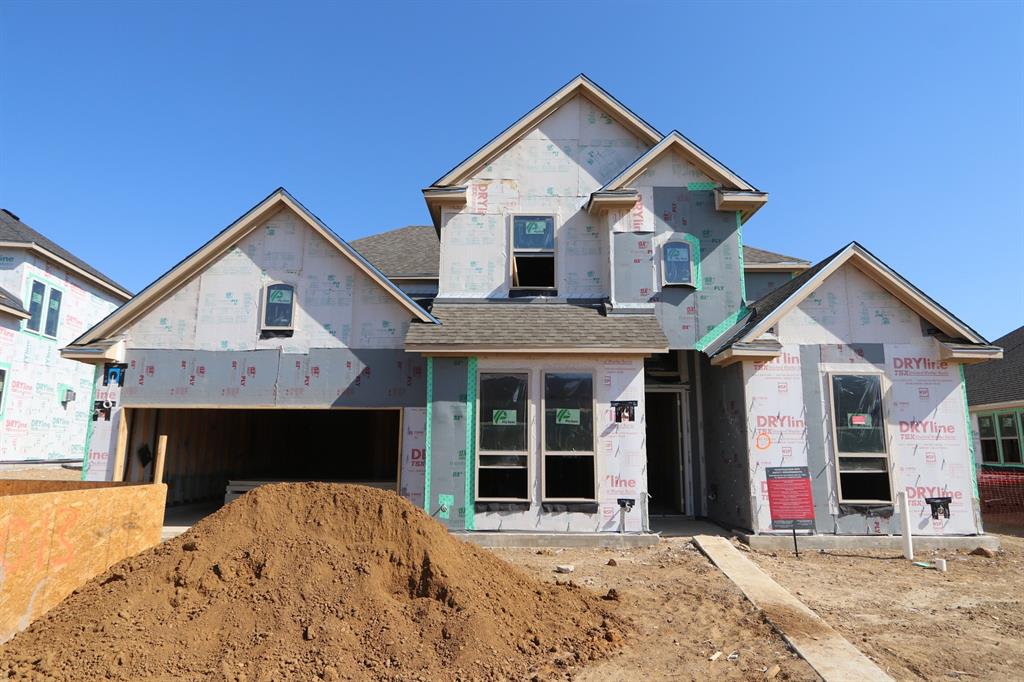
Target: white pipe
908,541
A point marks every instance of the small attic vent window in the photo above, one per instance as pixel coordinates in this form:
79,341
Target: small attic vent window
533,254
278,307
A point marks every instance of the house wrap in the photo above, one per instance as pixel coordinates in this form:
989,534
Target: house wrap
588,349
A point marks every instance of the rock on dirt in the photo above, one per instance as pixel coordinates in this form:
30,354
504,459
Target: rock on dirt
985,552
315,581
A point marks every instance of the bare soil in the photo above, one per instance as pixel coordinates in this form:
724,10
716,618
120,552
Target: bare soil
917,623
683,611
316,581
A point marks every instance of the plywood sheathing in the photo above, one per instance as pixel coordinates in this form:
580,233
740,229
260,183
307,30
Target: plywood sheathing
55,536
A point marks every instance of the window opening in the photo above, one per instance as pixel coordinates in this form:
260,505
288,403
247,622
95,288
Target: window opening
279,306
533,252
53,313
989,442
1009,438
503,449
862,457
35,306
677,263
569,466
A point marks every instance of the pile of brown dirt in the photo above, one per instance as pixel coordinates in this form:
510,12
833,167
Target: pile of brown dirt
315,581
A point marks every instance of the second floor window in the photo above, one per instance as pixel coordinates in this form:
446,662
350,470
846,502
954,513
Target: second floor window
278,306
44,309
677,263
533,252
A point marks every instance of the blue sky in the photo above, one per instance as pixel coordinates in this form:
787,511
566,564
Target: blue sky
132,132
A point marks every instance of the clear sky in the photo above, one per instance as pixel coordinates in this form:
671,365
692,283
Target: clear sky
130,133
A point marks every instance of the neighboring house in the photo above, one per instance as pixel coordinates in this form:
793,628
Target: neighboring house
995,394
47,298
410,257
580,354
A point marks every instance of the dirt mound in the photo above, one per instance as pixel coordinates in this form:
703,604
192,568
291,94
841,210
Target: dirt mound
314,581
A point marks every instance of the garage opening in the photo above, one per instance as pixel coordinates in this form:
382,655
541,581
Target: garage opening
207,449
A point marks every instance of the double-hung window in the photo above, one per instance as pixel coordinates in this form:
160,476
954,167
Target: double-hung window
1000,435
279,307
43,309
503,471
569,469
862,459
533,254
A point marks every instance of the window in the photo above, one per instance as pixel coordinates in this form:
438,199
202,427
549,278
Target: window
503,448
989,441
568,437
677,263
533,253
42,318
52,313
35,306
859,434
3,383
1000,434
278,306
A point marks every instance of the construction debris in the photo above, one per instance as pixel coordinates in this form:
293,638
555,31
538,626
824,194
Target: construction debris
306,581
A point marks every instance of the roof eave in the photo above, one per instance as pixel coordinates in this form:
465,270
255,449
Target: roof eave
65,263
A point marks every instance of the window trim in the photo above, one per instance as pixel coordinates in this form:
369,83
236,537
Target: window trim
883,387
695,273
44,310
529,438
998,438
263,312
542,446
552,290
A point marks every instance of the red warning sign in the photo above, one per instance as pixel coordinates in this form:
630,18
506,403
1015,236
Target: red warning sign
789,498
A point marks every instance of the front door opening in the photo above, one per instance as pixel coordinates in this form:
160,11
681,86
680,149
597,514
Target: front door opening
665,452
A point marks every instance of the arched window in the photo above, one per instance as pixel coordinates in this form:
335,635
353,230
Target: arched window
278,306
677,263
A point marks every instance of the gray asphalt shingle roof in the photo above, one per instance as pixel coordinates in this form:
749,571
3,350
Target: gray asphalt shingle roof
752,254
13,230
412,251
415,251
998,381
535,326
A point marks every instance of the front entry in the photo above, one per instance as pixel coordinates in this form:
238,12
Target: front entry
665,462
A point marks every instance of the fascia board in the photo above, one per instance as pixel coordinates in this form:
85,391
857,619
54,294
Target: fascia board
64,263
707,163
213,249
881,275
463,349
14,311
579,85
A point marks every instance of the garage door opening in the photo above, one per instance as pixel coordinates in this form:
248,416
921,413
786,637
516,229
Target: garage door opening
207,449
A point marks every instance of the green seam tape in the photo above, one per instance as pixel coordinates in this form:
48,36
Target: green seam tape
970,434
426,435
470,500
698,186
743,272
89,427
715,332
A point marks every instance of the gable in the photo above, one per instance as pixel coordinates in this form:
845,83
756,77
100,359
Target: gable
279,252
337,305
612,109
571,152
849,307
